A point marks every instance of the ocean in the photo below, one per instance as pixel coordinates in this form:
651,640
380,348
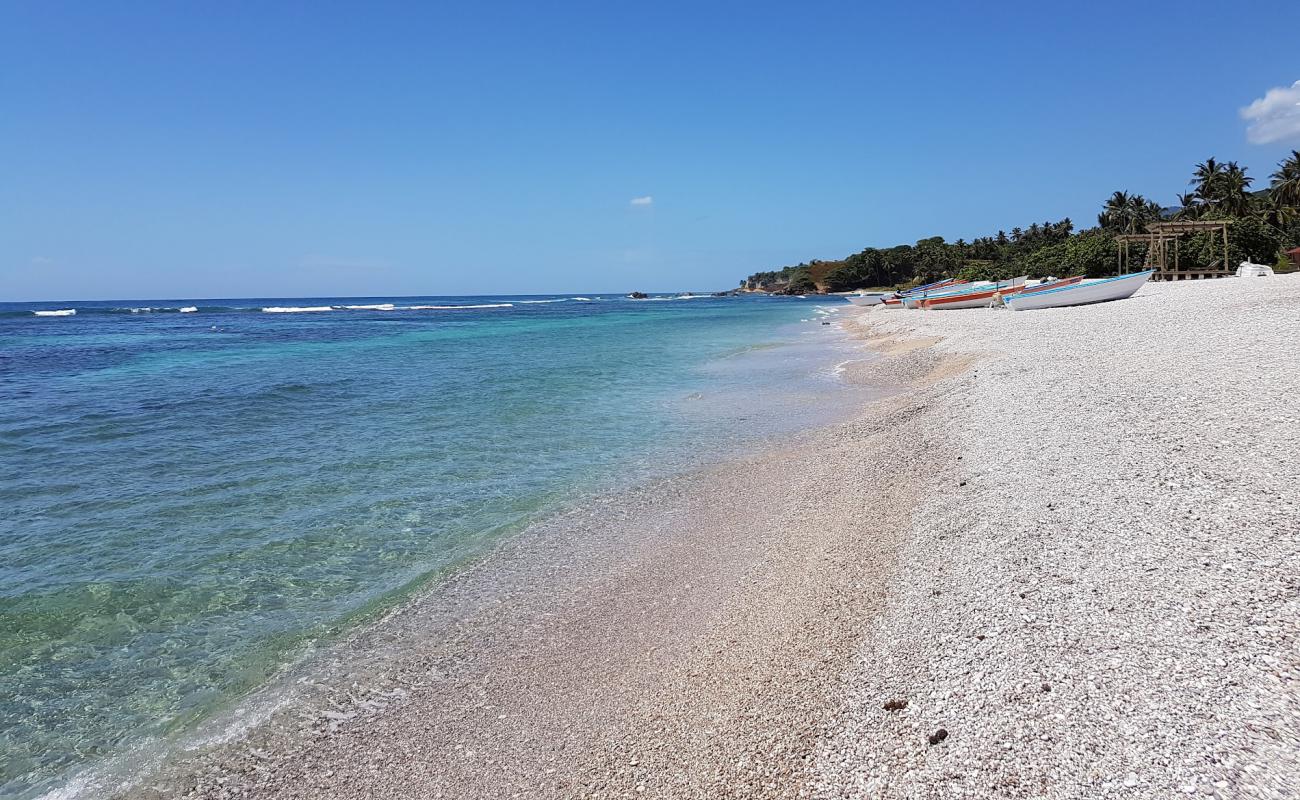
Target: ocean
197,493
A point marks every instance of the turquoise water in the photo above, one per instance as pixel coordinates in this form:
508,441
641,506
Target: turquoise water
191,498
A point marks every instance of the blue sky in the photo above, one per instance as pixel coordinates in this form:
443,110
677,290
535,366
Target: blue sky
227,150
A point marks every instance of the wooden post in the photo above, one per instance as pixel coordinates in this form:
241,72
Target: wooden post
1225,250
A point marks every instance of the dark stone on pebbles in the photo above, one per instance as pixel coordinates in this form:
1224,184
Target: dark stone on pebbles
938,736
895,705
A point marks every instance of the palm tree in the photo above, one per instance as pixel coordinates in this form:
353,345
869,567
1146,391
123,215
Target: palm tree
1281,216
1206,180
1234,187
1115,214
1286,181
1188,206
1128,213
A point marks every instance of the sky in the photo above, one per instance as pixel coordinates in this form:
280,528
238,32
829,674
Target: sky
185,150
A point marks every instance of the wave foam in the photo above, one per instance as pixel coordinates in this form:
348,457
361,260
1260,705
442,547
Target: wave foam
295,309
372,307
61,312
448,308
189,309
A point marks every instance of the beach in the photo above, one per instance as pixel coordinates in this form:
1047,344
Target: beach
442,403
1104,602
1059,560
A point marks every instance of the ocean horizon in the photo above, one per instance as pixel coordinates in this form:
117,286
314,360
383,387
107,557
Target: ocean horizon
204,491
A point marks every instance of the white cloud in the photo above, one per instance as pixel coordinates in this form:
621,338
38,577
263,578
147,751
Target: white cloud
1275,116
648,200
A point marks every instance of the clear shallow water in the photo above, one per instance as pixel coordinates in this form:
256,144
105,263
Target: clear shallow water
190,498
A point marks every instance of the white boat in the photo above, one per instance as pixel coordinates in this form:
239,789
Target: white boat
867,298
1248,270
1081,294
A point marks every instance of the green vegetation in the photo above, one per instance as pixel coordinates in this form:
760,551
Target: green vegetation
1264,224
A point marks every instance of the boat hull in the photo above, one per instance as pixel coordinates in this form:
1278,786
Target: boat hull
980,298
1081,294
1042,287
864,300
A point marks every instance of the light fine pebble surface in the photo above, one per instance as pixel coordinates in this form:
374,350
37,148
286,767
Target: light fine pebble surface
1106,602
1061,561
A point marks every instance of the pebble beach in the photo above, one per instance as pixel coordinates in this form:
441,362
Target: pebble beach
1104,599
1060,559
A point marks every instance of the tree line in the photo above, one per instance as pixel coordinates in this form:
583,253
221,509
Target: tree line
1265,223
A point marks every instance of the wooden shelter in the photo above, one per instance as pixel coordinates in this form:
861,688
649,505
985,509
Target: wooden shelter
1294,255
1162,237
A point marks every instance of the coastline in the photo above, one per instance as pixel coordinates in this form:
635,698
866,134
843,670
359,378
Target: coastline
239,540
1047,545
686,636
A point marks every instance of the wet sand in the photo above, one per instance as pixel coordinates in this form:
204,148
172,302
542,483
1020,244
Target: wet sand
685,639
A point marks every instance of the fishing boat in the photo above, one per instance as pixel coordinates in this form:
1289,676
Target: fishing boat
930,287
867,298
957,287
901,299
1081,294
1051,284
978,297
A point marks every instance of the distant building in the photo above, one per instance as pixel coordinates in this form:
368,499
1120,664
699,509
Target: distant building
1294,255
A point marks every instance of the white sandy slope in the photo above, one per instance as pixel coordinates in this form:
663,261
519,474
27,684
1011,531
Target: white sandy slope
1110,605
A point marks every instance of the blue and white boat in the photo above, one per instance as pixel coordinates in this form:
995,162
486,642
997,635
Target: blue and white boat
1080,294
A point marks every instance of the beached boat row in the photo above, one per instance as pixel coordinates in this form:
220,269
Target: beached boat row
1016,294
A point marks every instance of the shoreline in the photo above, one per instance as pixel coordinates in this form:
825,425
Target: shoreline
371,521
711,638
1043,547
